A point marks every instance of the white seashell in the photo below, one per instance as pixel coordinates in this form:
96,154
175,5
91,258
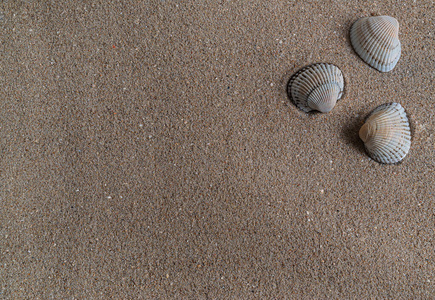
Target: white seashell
386,133
316,87
376,40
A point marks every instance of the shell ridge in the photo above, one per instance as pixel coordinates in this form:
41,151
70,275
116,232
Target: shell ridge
389,137
309,79
375,40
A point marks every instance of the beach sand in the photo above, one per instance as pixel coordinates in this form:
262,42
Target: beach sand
149,150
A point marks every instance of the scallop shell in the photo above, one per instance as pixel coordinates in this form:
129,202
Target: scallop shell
376,40
316,87
386,133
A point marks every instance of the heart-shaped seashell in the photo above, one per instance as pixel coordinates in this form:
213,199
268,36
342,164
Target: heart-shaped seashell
376,40
386,133
316,87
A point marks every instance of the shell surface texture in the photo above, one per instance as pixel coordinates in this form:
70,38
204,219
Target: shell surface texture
386,133
316,87
376,40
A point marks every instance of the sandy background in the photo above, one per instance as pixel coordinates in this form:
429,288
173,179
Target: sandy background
149,151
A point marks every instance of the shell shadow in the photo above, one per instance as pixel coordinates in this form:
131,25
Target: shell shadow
283,87
350,134
345,30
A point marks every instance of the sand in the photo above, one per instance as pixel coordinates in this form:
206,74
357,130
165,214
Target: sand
149,151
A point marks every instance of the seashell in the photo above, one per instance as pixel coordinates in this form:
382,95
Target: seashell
376,40
316,87
386,133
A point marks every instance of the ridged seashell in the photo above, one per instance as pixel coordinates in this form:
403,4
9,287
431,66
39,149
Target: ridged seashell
386,133
376,40
316,87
